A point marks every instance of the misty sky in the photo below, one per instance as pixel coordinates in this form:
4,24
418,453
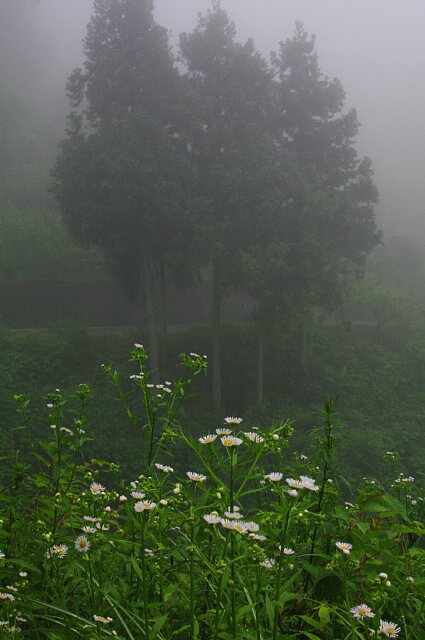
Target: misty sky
374,47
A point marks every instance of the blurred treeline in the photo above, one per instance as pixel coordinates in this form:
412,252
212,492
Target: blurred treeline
313,316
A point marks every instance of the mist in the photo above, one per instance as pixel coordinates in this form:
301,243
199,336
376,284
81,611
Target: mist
212,319
374,48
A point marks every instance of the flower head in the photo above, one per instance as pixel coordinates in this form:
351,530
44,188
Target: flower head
257,536
275,476
295,484
389,629
231,441
223,432
60,550
87,529
82,544
288,551
232,420
345,547
309,483
234,525
96,488
254,437
196,477
362,611
102,619
144,505
212,518
138,495
268,563
7,596
164,467
208,439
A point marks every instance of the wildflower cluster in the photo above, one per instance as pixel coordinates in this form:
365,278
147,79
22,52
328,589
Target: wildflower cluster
233,539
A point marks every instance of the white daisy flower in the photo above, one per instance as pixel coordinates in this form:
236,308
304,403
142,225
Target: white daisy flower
196,477
223,432
309,483
345,547
233,515
212,518
144,505
275,476
254,437
138,495
232,420
252,527
295,484
96,488
288,551
88,529
102,619
7,596
231,441
82,544
208,438
60,550
164,467
293,493
90,519
389,629
268,563
362,611
257,536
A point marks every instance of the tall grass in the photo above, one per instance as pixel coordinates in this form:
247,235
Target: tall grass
247,541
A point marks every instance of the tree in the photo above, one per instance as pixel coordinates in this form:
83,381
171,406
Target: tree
328,221
230,145
119,179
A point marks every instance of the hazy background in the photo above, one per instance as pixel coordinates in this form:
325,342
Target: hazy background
374,47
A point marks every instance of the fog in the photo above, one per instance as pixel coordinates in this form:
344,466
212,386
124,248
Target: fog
374,47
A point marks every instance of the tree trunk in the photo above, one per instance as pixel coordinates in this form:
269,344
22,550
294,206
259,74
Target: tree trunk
260,363
162,312
216,333
346,321
302,353
149,295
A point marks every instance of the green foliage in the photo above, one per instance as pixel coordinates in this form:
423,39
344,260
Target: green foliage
242,540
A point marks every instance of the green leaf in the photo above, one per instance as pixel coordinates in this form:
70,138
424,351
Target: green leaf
363,526
270,611
159,624
324,615
312,622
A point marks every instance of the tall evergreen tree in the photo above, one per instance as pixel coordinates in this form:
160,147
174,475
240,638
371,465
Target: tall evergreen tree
329,222
230,134
119,179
